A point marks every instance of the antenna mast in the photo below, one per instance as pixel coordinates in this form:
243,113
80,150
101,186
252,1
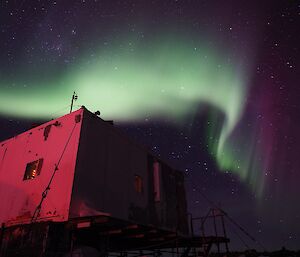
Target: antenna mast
74,98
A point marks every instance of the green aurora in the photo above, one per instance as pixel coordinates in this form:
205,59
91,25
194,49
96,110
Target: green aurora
134,80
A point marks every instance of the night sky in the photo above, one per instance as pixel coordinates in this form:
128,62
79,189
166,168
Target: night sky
212,87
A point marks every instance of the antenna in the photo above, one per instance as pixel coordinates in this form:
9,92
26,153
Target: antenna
74,98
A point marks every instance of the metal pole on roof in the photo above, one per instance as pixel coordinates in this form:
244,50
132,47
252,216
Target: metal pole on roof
74,98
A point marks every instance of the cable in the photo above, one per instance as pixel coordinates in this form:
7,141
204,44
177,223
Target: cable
241,239
45,192
232,220
243,230
60,110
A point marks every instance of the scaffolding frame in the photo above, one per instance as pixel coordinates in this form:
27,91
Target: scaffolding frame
111,237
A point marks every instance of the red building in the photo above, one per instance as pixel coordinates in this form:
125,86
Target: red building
78,169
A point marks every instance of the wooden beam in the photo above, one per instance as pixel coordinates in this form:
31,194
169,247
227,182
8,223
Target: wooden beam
136,236
152,231
133,226
101,219
84,224
111,232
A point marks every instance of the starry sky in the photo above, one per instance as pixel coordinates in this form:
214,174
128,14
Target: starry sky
209,86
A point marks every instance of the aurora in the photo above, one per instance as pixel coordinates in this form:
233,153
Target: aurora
167,78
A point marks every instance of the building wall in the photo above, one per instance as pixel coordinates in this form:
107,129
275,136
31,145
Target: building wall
97,174
105,173
20,197
169,210
104,182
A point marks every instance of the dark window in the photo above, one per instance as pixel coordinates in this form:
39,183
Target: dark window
138,184
156,181
33,169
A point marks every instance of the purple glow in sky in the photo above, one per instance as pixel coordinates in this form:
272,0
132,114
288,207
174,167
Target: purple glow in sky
43,43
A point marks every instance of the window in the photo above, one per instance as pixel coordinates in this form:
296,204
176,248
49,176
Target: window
33,169
138,184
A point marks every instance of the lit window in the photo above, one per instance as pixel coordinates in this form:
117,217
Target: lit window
33,169
138,184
